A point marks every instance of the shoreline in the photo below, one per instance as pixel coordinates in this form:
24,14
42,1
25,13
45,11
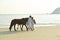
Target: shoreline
43,25
34,26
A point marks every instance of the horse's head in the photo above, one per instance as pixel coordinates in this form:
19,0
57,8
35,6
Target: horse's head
34,20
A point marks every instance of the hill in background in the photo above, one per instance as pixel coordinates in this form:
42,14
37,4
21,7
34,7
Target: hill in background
56,11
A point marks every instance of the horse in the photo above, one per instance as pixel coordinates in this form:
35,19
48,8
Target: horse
19,22
22,22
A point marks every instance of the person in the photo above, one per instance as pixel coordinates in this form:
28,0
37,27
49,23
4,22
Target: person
30,23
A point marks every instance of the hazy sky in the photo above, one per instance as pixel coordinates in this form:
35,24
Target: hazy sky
28,6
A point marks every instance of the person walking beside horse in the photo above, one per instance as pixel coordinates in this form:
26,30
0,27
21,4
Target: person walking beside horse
31,23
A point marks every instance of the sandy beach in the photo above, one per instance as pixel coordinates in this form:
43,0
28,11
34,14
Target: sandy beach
40,33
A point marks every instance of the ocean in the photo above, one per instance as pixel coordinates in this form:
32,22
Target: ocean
41,19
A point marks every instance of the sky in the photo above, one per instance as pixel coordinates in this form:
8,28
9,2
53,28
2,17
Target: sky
28,6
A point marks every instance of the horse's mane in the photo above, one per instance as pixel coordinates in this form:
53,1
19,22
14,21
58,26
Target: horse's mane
24,18
21,19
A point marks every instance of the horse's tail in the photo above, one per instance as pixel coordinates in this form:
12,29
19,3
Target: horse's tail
11,24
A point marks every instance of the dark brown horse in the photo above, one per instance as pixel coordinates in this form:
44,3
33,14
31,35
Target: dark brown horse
19,22
22,22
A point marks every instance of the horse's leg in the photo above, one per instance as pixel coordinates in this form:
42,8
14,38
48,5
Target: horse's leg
26,28
14,28
21,28
18,26
10,27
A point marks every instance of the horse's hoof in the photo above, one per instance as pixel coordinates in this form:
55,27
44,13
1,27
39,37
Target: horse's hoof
26,30
32,29
9,29
15,30
21,30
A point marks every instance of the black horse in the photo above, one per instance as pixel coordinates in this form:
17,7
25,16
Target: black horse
19,22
